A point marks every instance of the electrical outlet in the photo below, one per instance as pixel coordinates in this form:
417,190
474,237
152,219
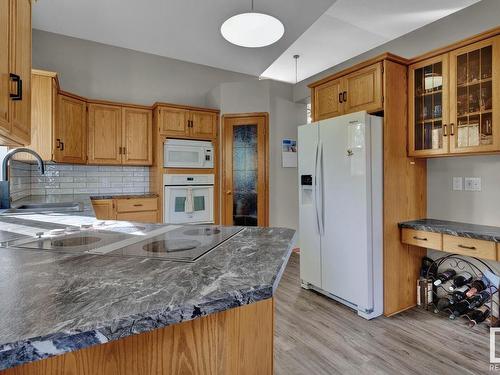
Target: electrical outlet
458,183
473,183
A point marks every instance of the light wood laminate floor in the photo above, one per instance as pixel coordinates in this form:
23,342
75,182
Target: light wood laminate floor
316,335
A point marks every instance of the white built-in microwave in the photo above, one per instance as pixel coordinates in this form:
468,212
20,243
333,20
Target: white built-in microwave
179,153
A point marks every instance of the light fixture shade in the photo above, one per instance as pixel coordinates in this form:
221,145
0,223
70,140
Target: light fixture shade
252,30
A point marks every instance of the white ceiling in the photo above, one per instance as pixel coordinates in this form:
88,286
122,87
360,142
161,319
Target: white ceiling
323,32
351,27
187,30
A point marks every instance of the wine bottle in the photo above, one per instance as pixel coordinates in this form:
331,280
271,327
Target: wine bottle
460,294
480,299
478,316
461,279
476,287
445,276
442,304
460,308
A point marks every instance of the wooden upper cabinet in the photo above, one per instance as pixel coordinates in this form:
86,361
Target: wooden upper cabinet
203,124
173,121
15,72
328,100
474,97
428,107
363,90
105,134
137,136
70,134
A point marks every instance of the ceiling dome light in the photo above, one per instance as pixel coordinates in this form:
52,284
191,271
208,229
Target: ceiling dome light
252,30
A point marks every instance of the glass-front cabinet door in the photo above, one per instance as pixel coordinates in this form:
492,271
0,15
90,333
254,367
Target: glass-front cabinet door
474,96
428,107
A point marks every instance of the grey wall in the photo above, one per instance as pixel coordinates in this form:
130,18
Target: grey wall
472,207
470,21
284,117
101,71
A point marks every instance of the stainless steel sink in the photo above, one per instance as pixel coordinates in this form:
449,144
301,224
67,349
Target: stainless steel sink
46,207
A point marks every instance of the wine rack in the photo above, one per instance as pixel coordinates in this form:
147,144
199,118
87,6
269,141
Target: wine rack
460,264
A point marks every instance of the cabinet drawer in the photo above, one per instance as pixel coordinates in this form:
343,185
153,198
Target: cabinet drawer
471,247
141,217
422,238
136,204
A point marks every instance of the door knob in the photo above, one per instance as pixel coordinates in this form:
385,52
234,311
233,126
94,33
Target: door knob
228,192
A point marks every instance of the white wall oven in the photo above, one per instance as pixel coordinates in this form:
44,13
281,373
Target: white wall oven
180,153
188,199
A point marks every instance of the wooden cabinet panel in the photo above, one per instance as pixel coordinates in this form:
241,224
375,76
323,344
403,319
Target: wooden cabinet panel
105,134
203,124
327,100
103,209
141,217
5,125
173,121
422,238
137,136
363,90
428,107
136,204
21,65
474,97
71,131
470,247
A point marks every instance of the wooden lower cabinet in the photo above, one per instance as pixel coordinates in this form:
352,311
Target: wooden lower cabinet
142,210
238,341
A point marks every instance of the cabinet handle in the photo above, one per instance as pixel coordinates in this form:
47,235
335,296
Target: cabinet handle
344,96
191,121
445,132
62,146
19,83
58,143
119,150
340,97
452,125
467,247
420,238
124,150
138,205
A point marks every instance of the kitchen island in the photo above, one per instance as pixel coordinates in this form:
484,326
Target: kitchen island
99,314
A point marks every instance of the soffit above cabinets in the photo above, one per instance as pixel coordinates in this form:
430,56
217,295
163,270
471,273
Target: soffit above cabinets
187,30
351,27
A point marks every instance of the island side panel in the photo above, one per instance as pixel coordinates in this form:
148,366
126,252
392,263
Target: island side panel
238,341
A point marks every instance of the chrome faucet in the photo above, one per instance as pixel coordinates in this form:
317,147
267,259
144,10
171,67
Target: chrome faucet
4,183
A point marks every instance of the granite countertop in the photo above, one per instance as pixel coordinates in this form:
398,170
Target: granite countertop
453,228
53,303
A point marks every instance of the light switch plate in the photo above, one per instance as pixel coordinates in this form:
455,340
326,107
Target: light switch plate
473,183
458,183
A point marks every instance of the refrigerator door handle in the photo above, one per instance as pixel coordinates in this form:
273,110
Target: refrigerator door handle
321,202
316,185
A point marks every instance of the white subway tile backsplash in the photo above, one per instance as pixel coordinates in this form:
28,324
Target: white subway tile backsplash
76,179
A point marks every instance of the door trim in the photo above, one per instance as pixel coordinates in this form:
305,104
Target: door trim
265,116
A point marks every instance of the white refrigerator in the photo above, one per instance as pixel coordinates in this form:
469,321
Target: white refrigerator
340,165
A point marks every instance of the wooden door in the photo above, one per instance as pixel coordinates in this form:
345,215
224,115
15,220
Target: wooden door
105,134
137,136
245,170
174,122
474,97
363,90
103,209
21,65
328,100
70,133
203,124
428,107
5,125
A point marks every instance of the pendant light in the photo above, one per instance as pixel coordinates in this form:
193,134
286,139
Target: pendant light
252,29
296,58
